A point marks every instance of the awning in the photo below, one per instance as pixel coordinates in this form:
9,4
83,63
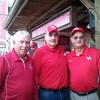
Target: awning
27,14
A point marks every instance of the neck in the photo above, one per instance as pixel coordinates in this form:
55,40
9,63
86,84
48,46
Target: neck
50,46
79,51
22,58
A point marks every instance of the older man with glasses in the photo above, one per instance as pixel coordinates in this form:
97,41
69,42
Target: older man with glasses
84,67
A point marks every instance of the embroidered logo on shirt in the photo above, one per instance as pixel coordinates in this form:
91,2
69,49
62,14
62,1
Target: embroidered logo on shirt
88,58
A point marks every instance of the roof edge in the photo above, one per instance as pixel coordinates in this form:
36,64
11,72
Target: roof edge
15,10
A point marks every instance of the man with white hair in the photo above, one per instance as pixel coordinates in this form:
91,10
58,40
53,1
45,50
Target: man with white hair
16,70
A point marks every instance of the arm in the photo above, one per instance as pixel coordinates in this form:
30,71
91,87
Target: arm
3,71
36,59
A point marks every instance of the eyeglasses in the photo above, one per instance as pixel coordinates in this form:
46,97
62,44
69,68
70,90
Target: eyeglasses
78,37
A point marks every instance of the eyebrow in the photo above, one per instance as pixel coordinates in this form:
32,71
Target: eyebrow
75,37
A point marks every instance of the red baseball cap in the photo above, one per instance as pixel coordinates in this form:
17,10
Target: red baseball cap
52,28
77,29
33,44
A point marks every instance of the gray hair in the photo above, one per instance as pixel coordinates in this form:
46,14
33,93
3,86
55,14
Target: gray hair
19,34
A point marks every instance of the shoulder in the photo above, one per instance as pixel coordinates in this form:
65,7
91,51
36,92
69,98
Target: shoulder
66,53
60,49
2,58
70,54
38,52
93,50
3,62
9,56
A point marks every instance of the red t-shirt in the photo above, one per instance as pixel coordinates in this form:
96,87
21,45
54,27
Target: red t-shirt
51,67
84,70
16,78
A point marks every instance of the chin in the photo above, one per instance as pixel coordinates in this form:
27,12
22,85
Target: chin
54,45
79,46
23,53
51,46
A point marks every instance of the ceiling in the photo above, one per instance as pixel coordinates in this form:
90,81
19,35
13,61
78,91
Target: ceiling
28,14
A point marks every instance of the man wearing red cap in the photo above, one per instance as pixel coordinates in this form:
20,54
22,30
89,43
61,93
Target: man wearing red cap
51,68
84,67
33,47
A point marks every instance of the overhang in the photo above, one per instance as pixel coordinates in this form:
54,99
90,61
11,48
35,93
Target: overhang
28,14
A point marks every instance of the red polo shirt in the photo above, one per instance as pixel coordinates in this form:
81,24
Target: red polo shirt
84,70
51,67
16,78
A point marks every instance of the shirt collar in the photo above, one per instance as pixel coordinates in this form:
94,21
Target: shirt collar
84,51
15,57
51,49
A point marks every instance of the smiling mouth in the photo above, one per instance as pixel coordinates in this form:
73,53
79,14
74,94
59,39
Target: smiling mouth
24,50
53,41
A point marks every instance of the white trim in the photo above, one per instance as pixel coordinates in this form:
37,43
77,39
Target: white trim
7,77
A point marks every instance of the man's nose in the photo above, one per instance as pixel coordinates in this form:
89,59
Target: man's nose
53,37
24,44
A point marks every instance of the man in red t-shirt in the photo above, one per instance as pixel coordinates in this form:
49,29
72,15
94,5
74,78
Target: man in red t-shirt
16,70
84,67
51,68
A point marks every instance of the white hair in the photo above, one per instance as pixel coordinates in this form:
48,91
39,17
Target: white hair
18,34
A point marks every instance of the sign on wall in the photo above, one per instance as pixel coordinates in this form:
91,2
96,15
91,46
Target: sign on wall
63,19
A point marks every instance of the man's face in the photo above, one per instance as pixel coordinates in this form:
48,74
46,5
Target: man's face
22,44
78,40
52,39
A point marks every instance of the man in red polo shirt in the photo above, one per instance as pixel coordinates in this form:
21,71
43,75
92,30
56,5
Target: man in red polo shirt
16,70
51,68
84,67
